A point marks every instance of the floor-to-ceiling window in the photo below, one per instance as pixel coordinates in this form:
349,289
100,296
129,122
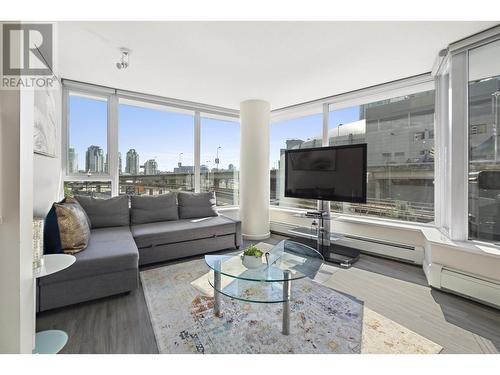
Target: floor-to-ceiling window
220,158
484,146
87,137
156,149
399,133
88,134
295,133
126,143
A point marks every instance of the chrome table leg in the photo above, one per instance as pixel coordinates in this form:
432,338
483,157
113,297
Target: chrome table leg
287,287
217,287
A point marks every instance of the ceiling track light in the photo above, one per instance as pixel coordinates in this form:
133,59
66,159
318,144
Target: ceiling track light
124,60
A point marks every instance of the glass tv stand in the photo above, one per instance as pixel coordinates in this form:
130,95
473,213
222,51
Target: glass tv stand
325,239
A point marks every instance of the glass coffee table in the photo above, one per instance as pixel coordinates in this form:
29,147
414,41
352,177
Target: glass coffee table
269,283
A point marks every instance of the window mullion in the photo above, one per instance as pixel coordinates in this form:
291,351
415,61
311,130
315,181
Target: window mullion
458,148
197,145
113,143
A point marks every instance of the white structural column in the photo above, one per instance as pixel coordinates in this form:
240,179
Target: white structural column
254,169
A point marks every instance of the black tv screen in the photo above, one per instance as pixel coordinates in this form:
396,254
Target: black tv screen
327,173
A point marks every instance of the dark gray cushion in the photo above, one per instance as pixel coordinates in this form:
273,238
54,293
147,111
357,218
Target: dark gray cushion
150,209
182,230
109,250
193,205
112,212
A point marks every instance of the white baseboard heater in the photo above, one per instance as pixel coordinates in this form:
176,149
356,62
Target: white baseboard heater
408,253
394,250
470,286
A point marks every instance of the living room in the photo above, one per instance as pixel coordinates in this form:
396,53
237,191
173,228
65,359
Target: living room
249,186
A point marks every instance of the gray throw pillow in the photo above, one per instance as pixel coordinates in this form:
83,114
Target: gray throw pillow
194,205
149,209
112,212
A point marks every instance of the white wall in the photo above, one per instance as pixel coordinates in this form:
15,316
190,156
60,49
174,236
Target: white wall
47,179
16,196
28,185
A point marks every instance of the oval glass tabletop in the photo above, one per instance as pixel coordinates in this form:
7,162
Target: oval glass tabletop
298,259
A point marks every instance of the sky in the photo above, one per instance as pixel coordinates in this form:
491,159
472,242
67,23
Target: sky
154,134
163,136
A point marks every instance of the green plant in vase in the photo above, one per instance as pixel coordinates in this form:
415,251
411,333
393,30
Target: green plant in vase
252,257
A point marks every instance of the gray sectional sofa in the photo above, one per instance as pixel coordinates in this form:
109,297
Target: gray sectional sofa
150,230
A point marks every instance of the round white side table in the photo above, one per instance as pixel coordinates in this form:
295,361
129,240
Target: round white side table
52,341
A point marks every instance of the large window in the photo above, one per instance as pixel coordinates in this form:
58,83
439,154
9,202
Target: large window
484,146
219,159
87,135
123,143
156,149
302,132
400,137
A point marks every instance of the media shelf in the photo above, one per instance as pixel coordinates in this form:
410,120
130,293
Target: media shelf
312,233
326,241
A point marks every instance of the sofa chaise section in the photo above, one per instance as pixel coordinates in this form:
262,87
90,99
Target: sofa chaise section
176,239
108,266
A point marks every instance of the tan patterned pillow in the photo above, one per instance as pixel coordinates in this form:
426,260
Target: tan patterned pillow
73,200
74,228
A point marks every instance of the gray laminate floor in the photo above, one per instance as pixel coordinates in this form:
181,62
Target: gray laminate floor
396,290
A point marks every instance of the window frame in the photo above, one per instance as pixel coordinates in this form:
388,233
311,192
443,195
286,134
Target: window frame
105,94
205,115
457,57
158,107
113,97
406,86
280,116
460,55
400,88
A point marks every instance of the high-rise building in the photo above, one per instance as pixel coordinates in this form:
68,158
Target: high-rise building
151,167
120,163
132,162
94,160
106,165
72,160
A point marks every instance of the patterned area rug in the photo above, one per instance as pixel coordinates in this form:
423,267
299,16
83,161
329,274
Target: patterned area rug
180,303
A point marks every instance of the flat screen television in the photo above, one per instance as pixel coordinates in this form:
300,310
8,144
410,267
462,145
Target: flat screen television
327,173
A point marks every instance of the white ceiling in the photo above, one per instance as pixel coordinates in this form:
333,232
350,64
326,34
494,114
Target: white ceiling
223,63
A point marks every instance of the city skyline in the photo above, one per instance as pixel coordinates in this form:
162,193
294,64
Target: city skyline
154,134
133,164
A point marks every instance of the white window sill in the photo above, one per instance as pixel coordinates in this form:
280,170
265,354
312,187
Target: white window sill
474,247
388,223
